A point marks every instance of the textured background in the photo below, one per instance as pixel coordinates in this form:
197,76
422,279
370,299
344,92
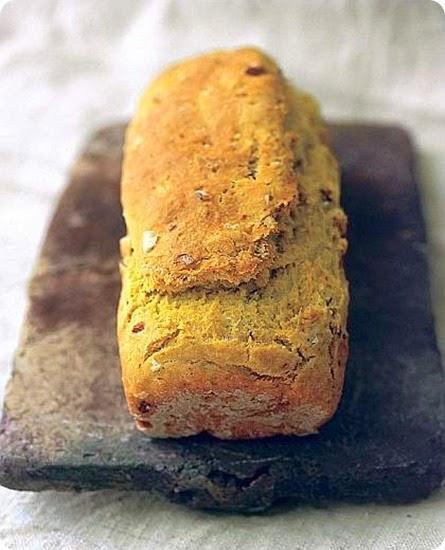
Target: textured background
69,66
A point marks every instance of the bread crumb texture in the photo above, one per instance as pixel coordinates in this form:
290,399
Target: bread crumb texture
232,317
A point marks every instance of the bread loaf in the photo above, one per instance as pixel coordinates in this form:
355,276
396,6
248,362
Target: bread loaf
232,317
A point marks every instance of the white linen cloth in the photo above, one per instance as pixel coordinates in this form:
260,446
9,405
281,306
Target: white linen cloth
68,67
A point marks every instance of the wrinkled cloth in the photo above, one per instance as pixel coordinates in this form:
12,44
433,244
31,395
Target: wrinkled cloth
68,67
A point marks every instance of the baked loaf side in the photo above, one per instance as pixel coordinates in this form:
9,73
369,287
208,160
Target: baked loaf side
232,318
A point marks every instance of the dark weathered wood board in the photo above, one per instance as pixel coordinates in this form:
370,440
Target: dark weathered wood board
65,424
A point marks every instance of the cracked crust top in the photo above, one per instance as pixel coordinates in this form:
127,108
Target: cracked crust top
208,176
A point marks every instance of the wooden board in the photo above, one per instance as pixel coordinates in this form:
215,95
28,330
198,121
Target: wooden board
65,423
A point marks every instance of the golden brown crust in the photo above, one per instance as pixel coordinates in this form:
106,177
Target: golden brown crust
208,170
250,340
231,402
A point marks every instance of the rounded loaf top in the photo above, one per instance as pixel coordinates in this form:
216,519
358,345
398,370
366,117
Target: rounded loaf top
209,177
